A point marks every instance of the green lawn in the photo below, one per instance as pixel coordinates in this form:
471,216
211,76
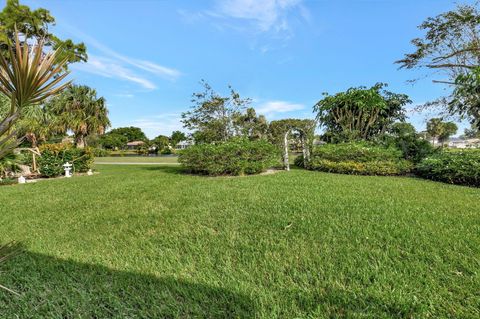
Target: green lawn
136,159
150,242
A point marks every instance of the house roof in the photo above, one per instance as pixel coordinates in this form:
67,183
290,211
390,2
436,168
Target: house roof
135,143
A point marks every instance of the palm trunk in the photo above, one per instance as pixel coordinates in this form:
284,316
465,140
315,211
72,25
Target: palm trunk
80,141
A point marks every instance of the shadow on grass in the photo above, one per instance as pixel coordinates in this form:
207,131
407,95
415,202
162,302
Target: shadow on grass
56,288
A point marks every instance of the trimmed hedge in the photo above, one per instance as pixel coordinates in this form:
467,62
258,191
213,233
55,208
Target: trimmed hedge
235,157
55,155
454,167
359,158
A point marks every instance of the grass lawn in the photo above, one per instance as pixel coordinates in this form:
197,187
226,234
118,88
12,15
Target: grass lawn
149,242
136,159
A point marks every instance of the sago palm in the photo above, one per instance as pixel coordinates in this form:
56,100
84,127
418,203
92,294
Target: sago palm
27,77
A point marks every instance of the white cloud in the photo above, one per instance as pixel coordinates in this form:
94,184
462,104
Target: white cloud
112,69
266,15
262,21
272,107
125,95
116,65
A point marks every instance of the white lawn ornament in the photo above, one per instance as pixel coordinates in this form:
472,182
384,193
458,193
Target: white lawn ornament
21,180
67,167
89,172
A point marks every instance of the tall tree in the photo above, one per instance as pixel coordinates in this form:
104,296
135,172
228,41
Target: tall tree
161,142
448,129
360,113
177,137
440,131
131,133
35,25
78,109
450,48
472,132
36,124
212,115
250,125
27,77
451,43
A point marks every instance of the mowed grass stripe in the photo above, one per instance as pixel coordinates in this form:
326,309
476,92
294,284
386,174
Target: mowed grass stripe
149,241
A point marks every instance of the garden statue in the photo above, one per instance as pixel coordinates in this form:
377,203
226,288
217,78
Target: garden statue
68,167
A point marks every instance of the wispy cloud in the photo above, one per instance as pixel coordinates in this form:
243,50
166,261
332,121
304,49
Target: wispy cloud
112,69
272,107
262,20
113,64
266,15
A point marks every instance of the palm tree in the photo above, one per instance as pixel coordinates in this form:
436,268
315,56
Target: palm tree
27,77
36,124
78,109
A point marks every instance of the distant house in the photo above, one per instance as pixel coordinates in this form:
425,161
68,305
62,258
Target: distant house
456,142
134,145
183,145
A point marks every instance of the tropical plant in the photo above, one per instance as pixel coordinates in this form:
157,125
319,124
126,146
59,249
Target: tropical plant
8,163
27,77
78,109
404,137
55,155
359,113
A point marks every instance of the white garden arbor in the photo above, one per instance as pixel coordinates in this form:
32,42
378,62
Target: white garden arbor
281,132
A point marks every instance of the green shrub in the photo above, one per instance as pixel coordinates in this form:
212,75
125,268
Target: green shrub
8,181
167,151
299,161
359,158
458,167
55,155
100,152
235,157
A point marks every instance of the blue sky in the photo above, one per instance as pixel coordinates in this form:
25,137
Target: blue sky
147,57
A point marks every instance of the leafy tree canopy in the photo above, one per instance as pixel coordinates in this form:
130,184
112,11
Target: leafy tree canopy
35,25
212,116
450,48
131,133
439,130
360,113
251,126
177,137
161,141
451,42
112,141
